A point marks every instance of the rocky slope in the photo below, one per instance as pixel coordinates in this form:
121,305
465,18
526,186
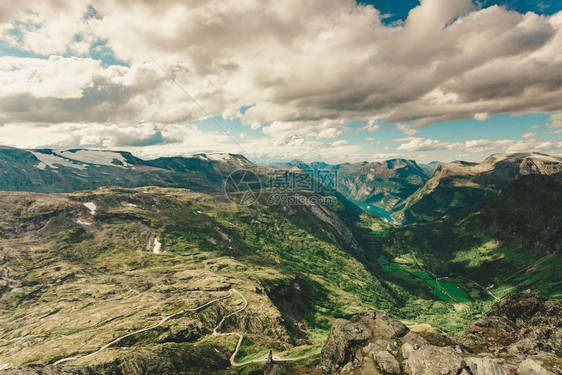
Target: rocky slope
52,171
157,269
507,244
527,213
458,187
521,334
385,184
430,167
78,271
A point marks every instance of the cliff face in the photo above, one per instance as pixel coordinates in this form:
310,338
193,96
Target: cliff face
385,184
527,213
458,187
521,334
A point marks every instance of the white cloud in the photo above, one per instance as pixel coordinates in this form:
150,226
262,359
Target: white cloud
304,129
555,120
340,143
481,116
47,27
371,127
56,77
528,135
484,145
420,144
305,69
231,114
75,135
406,129
323,59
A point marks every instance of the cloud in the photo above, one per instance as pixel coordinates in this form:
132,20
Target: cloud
406,129
340,143
305,69
484,145
76,135
56,77
555,120
47,27
481,116
420,144
304,129
529,135
324,59
371,127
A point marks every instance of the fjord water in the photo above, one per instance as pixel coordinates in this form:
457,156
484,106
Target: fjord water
372,209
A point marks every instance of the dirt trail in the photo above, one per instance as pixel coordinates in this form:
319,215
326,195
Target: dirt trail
144,329
233,362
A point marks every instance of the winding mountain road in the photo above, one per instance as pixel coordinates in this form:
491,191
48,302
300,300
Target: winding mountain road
215,332
145,329
233,362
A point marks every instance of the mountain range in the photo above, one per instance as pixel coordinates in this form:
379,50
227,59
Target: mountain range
110,264
398,190
52,171
457,187
383,184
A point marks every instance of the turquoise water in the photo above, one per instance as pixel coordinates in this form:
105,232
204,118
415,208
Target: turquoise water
372,209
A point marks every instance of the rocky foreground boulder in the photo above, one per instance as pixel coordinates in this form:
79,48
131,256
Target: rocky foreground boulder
521,334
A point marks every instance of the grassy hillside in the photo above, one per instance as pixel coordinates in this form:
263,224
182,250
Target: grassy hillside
510,243
458,188
79,270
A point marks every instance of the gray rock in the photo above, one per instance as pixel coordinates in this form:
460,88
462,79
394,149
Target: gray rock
532,367
387,363
344,340
432,360
392,349
524,346
413,338
485,366
371,348
381,325
407,349
274,369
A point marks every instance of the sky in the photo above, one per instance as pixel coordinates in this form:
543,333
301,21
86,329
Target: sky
277,80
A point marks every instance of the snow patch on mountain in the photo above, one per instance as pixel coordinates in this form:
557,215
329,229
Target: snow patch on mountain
52,159
157,246
219,157
92,207
201,156
95,157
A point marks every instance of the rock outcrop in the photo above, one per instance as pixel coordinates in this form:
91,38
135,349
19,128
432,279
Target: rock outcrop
50,370
520,334
522,324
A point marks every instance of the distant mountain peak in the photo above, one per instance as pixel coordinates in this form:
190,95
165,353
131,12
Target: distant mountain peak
64,171
460,186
